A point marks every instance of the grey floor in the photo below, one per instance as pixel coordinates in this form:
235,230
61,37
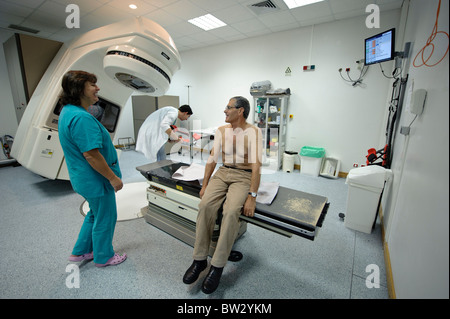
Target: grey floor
40,220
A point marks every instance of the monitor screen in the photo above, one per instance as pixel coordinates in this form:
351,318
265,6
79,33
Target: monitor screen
104,111
380,47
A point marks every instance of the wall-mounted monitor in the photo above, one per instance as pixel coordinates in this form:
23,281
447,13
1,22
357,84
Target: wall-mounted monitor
380,47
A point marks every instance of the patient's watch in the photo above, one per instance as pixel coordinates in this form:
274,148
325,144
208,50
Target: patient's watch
253,194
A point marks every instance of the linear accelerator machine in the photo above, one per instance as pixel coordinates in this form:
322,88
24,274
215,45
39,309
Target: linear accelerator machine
135,54
138,54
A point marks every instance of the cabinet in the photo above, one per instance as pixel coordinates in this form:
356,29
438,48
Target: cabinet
27,59
144,105
270,115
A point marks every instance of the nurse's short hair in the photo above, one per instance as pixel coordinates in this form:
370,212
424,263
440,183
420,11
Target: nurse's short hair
240,101
73,83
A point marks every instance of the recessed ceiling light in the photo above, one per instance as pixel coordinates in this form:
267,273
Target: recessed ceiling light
133,6
299,3
207,22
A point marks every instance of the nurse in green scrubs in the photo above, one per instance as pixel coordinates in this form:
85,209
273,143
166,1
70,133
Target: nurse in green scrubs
93,168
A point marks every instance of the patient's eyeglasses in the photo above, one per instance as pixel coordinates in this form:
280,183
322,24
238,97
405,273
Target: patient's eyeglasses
231,107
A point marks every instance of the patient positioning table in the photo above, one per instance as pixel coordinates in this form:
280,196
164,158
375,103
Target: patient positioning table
173,207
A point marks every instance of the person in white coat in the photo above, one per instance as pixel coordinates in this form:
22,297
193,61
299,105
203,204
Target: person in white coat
156,131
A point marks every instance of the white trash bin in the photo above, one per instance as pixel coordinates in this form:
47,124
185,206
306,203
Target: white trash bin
311,160
288,161
365,187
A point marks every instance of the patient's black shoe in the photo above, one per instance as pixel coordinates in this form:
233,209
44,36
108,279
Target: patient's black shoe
212,280
194,271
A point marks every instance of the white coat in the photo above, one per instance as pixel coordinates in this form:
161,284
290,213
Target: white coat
152,134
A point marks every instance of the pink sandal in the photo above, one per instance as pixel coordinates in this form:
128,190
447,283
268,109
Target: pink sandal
88,256
114,260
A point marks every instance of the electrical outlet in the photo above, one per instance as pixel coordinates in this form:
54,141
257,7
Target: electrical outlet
405,130
360,64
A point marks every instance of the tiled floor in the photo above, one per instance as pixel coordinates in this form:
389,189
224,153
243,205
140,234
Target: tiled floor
40,220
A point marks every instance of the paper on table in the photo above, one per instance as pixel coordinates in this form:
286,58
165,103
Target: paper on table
267,192
190,173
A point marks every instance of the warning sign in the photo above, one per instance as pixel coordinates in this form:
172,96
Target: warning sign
288,71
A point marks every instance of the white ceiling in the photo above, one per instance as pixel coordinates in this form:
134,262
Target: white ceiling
49,16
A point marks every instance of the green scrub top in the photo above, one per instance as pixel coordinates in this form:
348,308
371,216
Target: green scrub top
80,132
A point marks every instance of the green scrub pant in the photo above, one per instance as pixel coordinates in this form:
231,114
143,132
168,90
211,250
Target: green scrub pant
97,231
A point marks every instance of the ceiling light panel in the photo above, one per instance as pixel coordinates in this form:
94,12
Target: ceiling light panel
299,3
207,22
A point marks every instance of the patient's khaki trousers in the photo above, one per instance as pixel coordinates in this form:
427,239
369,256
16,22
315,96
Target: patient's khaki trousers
231,185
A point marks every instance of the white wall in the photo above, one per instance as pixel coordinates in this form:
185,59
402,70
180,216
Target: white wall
417,212
328,112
